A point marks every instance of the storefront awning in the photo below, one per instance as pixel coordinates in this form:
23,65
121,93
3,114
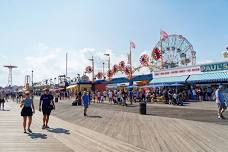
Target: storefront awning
71,86
208,77
169,80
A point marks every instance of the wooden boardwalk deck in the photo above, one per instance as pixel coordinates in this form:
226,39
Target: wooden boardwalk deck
62,137
109,130
151,132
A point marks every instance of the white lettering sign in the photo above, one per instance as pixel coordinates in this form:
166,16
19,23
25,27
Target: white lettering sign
177,72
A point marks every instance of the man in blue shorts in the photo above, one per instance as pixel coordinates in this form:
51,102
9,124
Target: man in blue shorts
220,100
85,101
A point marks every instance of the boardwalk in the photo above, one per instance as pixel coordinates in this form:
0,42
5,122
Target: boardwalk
62,137
111,129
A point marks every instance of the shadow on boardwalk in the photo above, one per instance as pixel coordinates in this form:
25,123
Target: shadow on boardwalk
59,131
37,136
94,116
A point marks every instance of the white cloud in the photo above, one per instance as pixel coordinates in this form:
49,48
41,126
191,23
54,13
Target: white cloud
50,62
47,62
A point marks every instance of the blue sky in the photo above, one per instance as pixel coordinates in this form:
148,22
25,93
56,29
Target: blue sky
31,30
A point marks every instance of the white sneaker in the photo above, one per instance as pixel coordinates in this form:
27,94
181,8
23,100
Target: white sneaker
219,117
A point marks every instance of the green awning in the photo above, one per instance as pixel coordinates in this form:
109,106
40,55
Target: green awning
169,80
208,77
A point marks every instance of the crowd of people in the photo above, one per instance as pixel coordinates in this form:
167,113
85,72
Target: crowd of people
175,96
168,95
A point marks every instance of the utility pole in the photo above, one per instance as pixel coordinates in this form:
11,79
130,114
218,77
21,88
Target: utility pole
109,60
93,85
79,82
32,85
66,62
92,60
103,71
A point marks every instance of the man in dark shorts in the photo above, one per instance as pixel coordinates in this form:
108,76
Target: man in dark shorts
47,104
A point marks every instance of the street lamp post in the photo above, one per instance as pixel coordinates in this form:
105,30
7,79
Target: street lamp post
92,60
32,85
103,71
79,82
54,81
93,86
51,83
109,60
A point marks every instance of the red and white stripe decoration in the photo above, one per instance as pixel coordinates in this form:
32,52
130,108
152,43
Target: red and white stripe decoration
115,68
89,69
109,73
99,75
122,65
144,60
127,70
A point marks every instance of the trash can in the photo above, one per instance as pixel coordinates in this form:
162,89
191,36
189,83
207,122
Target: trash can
142,108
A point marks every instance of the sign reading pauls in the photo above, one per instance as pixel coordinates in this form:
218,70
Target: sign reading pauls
214,67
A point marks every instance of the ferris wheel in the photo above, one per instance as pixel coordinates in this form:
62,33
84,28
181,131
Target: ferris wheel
173,51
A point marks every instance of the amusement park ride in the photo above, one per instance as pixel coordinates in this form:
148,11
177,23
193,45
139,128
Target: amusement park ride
171,51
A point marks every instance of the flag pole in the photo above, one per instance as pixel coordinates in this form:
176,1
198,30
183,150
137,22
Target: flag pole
130,63
161,51
66,64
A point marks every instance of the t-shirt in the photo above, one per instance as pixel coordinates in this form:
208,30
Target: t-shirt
219,97
2,95
98,94
119,94
105,93
85,99
46,99
193,92
27,102
110,94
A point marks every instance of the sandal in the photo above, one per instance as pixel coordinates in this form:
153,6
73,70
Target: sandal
29,130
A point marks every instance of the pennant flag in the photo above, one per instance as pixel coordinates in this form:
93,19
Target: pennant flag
163,35
132,44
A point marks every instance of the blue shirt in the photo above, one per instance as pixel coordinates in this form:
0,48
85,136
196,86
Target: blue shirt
85,99
27,102
219,95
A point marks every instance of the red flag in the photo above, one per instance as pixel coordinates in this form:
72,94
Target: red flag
163,35
132,44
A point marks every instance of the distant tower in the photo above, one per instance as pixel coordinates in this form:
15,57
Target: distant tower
10,76
27,82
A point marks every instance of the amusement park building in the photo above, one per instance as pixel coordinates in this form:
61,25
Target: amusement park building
204,74
213,73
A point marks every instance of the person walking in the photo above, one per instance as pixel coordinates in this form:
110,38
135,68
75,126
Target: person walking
85,101
2,100
220,100
110,96
27,111
47,104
